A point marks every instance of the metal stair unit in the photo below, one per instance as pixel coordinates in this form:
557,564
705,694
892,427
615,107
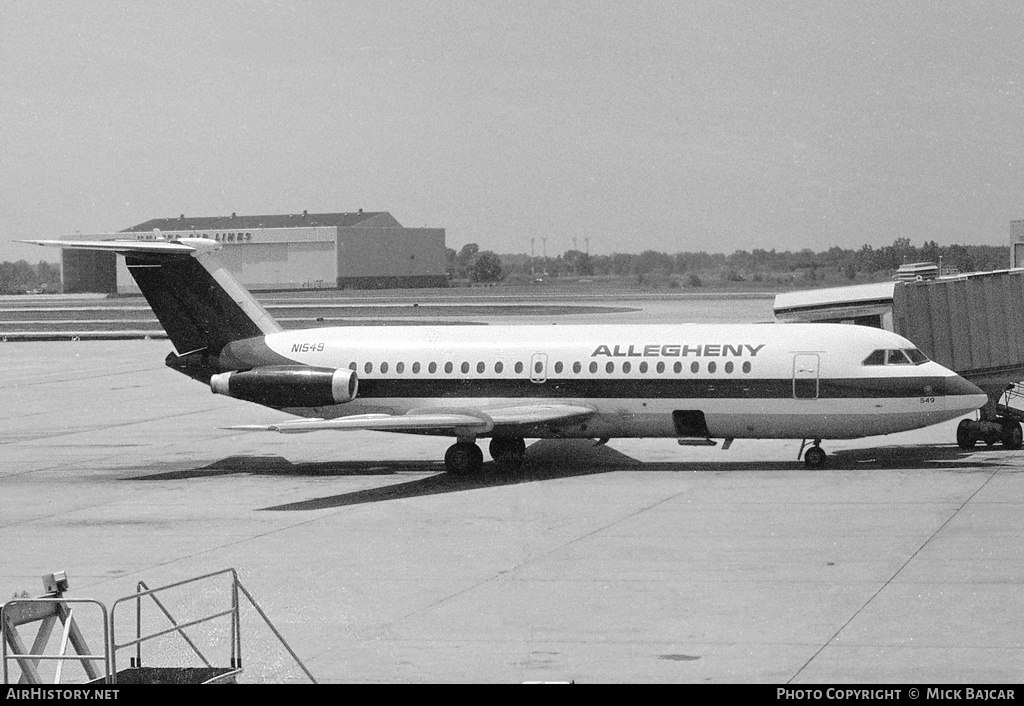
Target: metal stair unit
54,606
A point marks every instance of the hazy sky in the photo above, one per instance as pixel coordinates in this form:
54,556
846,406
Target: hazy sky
673,126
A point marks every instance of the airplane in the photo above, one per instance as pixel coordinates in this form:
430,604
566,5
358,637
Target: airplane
691,382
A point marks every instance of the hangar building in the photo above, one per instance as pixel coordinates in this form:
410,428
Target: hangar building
361,250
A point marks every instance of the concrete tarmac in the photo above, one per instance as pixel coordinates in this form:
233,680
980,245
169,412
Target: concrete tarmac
639,561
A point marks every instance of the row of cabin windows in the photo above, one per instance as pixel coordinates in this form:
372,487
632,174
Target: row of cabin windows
559,367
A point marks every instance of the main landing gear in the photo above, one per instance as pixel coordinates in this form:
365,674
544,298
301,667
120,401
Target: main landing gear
814,457
508,453
465,457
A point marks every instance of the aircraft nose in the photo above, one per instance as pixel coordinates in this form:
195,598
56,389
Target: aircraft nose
969,396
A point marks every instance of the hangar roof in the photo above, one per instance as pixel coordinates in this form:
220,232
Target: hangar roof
290,220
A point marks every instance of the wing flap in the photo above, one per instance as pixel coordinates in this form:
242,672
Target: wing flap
538,414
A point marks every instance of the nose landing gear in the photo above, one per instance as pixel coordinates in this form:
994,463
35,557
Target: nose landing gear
814,457
1006,431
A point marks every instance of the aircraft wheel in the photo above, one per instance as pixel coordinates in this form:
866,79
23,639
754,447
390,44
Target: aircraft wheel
965,437
1013,435
463,458
501,448
814,457
508,453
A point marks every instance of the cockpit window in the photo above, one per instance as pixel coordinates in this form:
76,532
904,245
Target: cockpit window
876,358
896,356
916,356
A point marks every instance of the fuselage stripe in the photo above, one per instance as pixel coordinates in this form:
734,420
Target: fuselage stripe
720,388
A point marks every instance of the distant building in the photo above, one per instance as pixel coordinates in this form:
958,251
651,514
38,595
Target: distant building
358,250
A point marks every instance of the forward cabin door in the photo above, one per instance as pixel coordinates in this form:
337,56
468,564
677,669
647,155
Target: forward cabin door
805,376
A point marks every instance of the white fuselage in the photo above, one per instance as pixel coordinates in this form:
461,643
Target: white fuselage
748,381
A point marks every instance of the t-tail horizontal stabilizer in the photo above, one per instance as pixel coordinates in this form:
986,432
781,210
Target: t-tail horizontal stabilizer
201,306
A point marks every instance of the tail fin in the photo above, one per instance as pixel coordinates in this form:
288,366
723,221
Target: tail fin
201,306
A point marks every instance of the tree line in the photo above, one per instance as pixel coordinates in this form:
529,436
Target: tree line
651,267
21,276
694,268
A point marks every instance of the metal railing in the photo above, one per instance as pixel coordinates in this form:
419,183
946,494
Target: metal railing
143,591
21,611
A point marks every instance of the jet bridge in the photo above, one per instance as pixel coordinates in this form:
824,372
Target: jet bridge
971,323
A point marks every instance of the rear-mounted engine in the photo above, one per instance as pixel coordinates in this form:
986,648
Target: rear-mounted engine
288,386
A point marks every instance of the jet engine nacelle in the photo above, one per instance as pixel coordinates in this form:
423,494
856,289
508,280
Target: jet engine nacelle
288,386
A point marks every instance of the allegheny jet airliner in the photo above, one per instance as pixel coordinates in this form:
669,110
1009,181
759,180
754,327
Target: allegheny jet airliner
691,382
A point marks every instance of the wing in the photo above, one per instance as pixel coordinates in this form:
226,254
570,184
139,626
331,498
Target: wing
448,422
380,422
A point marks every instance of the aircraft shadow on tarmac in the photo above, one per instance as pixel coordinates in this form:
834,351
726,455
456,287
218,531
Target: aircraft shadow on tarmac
549,460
